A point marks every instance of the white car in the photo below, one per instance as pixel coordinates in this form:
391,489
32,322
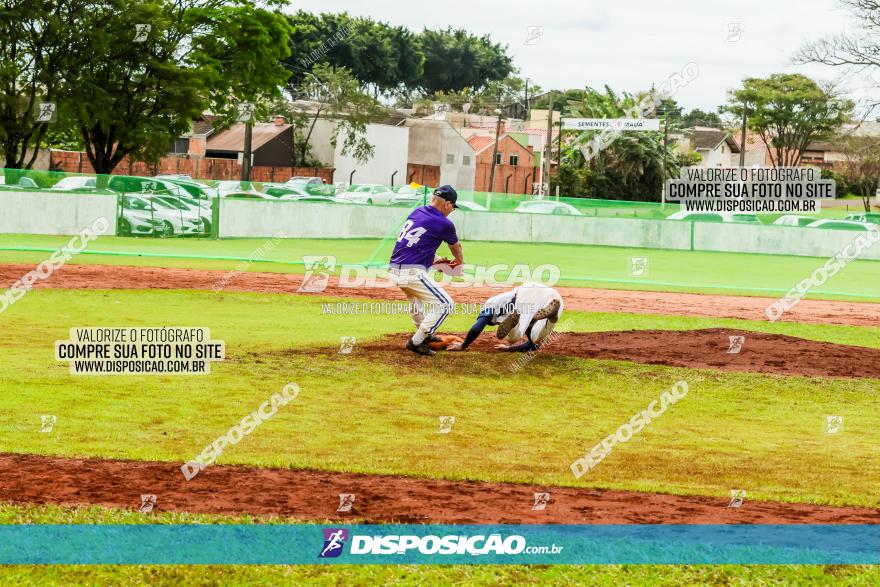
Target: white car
367,194
547,207
406,195
715,217
191,208
171,220
794,220
136,218
831,223
470,206
226,188
76,183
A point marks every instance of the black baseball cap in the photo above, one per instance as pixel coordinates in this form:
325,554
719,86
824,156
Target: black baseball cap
448,193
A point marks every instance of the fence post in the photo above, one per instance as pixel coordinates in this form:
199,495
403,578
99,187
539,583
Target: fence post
215,218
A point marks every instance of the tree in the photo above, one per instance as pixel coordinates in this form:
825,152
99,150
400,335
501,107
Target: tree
857,50
336,95
623,165
41,45
197,54
789,111
697,117
560,99
861,166
385,58
455,59
508,94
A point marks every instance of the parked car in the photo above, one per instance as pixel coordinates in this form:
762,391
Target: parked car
794,220
171,219
834,224
407,196
197,189
872,217
76,183
470,206
279,190
367,194
139,216
23,183
547,207
301,180
228,187
715,217
192,208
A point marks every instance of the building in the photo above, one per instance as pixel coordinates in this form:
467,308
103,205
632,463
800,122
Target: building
387,166
716,147
515,171
438,154
271,143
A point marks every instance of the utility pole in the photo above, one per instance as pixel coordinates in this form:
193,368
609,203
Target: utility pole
665,151
559,154
495,150
742,142
545,176
246,160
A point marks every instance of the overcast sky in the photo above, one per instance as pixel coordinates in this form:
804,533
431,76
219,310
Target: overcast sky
630,44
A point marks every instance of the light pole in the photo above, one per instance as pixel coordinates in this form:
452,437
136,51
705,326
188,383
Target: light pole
545,176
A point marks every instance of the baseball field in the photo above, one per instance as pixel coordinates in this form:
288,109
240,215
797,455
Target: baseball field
788,421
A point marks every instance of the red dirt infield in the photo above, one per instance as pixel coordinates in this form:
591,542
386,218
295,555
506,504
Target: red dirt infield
576,298
314,495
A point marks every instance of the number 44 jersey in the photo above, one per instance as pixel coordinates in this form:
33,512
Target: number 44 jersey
420,237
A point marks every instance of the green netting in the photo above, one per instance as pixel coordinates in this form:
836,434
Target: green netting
585,265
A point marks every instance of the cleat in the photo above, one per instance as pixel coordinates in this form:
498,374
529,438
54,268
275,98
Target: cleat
550,311
420,349
508,324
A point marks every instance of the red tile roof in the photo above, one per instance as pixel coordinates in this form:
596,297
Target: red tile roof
480,142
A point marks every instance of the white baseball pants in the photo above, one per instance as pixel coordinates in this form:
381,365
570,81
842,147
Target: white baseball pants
423,293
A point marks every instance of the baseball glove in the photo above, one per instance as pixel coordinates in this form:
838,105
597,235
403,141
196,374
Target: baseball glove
448,266
444,341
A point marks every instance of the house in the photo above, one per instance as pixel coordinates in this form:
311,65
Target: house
387,166
515,171
271,143
194,143
716,147
439,154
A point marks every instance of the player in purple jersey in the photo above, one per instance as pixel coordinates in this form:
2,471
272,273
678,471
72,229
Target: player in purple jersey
416,251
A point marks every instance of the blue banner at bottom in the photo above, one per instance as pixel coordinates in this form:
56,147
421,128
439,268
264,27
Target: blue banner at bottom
439,544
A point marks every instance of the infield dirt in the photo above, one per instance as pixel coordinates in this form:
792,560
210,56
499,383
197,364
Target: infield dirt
576,298
314,495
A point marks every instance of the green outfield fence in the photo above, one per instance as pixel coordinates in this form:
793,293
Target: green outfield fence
177,222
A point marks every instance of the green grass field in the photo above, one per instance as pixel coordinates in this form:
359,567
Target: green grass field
365,414
585,266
